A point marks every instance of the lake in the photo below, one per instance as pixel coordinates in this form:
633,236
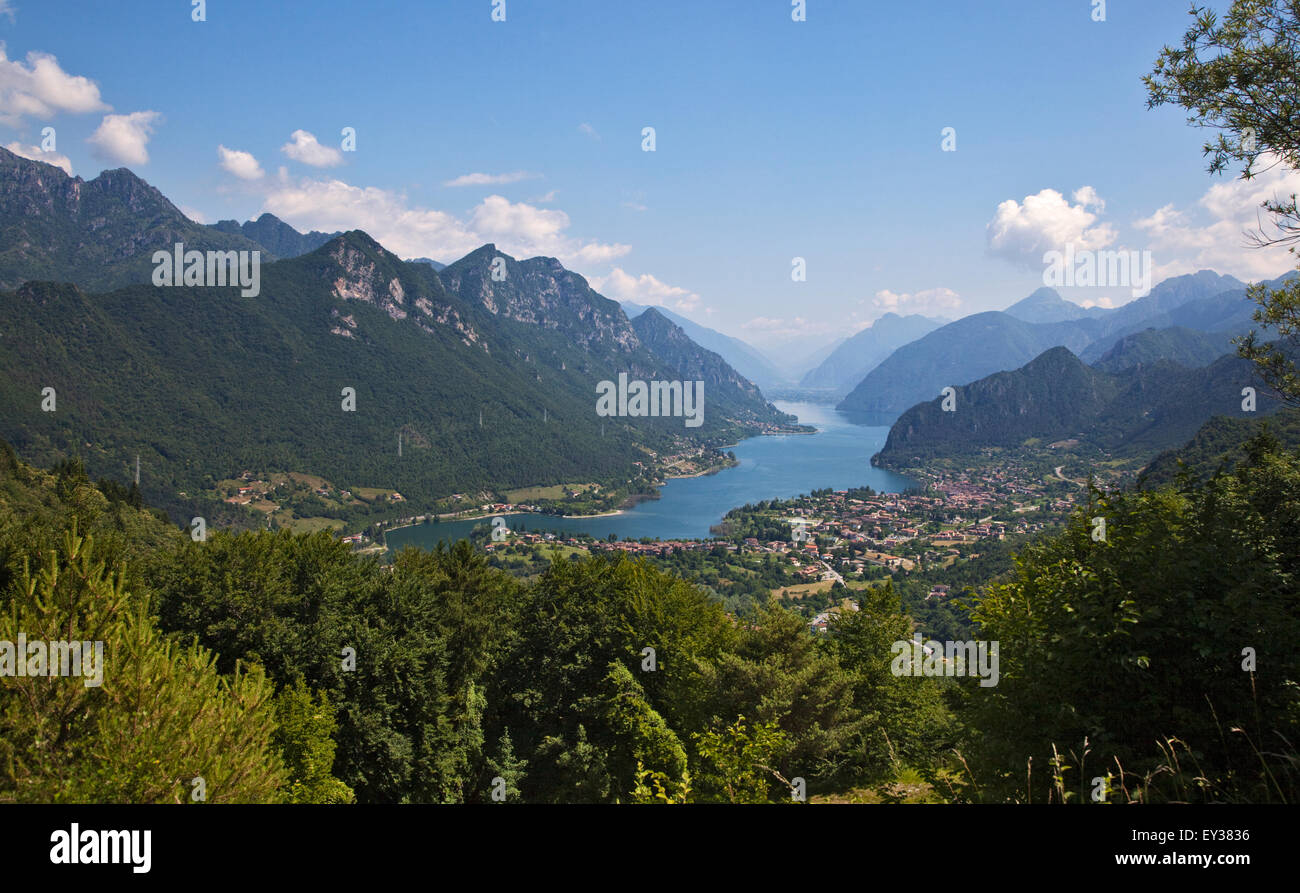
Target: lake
771,467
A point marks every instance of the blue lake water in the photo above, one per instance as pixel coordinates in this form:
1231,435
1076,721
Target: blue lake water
771,467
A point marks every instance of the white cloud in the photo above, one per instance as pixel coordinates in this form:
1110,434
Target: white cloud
1087,197
242,164
644,289
1215,234
587,130
1047,221
124,137
304,147
491,179
519,229
194,214
41,89
635,206
35,153
7,8
930,302
545,199
1099,302
537,231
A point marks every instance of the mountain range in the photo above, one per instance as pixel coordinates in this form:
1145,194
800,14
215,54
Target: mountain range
277,237
983,343
746,359
98,234
1136,411
1046,305
486,370
854,357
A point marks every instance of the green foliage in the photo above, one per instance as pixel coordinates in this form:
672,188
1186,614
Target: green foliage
611,680
424,635
1135,411
1238,74
162,719
507,767
1219,446
907,722
1114,646
738,762
643,737
780,674
37,507
304,725
564,702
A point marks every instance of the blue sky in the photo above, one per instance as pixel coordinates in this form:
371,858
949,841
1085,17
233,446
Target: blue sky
775,139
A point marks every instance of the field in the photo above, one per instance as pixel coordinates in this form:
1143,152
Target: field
370,494
801,590
555,491
310,525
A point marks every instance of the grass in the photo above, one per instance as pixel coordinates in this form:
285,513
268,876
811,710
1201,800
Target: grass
908,787
370,493
555,491
800,590
311,525
299,477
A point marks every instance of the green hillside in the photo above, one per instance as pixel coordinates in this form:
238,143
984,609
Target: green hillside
204,384
1175,344
1219,445
1133,413
100,233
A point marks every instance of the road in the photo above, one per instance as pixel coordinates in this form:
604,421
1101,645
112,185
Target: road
834,574
1064,478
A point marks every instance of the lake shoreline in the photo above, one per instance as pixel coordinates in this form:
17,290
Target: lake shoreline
767,467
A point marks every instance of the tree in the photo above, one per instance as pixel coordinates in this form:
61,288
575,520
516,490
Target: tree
507,767
1180,624
163,726
567,708
645,742
1240,74
739,762
424,639
907,720
304,726
780,674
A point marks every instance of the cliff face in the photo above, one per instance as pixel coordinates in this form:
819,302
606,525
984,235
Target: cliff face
541,292
100,233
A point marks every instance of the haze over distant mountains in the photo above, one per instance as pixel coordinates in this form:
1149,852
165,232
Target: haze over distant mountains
1046,305
854,357
732,392
744,358
984,343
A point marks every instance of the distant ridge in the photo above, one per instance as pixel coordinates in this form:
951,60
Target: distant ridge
1046,305
741,356
276,236
853,358
1136,411
99,234
983,343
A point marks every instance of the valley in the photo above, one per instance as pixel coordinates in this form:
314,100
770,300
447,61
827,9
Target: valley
567,433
